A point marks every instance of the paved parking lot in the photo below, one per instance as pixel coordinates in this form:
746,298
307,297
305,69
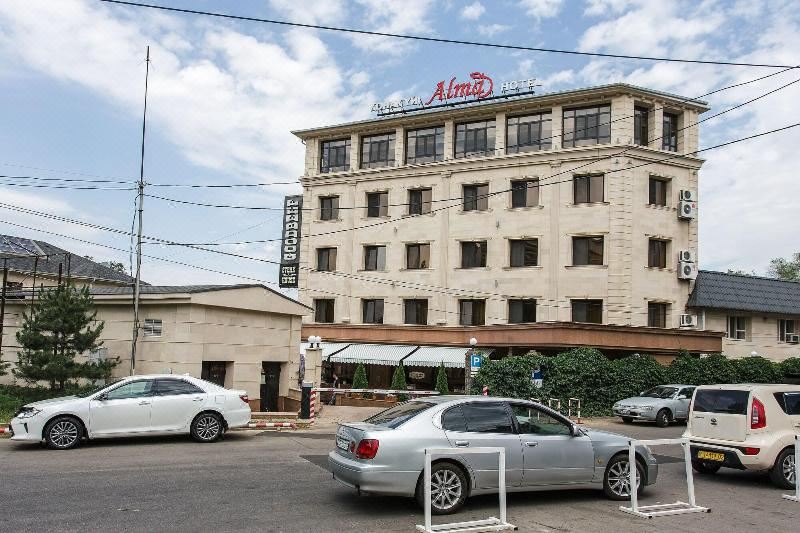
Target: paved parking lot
276,482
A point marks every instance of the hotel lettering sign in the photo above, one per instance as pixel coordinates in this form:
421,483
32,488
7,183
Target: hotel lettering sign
477,87
290,242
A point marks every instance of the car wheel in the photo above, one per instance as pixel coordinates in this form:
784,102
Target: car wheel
63,433
448,488
617,480
627,419
662,418
703,467
784,474
207,427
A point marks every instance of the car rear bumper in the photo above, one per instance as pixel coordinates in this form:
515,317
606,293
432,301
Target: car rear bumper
734,456
236,418
372,479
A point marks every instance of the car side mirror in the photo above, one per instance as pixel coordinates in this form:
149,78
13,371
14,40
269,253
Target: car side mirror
575,431
102,397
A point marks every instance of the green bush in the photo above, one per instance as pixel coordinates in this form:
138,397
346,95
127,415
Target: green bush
757,369
790,366
399,381
360,377
689,370
441,381
631,375
509,376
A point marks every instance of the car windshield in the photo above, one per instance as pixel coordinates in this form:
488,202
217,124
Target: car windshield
399,414
660,392
98,389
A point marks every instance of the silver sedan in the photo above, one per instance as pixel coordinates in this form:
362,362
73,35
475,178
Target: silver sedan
662,404
385,454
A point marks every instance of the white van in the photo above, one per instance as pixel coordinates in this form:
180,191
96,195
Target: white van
747,427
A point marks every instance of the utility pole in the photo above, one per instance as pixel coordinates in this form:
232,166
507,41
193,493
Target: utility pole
140,209
3,301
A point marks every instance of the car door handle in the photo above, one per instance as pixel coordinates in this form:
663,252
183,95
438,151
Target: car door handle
144,402
462,443
531,444
197,399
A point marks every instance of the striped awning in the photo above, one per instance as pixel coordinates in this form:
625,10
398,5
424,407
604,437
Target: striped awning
436,355
373,354
328,348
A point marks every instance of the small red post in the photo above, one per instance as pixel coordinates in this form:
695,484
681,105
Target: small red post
486,390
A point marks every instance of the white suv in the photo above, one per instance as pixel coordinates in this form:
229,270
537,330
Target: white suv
747,427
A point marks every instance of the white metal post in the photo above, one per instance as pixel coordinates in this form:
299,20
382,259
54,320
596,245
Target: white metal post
427,490
687,459
796,496
632,477
502,481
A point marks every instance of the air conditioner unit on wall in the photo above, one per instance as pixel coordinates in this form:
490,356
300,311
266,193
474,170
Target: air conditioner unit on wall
688,321
793,338
687,270
686,256
688,196
687,210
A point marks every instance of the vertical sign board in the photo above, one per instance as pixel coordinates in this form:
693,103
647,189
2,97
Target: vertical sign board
475,361
290,242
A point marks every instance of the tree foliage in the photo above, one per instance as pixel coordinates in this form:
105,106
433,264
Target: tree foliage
786,269
399,381
757,369
3,366
60,325
360,377
441,381
791,366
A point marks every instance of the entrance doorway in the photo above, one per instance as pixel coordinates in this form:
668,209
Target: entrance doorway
270,378
214,371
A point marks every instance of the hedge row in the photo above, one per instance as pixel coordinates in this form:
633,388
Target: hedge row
587,374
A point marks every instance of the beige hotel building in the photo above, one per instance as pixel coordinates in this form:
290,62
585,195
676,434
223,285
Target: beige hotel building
530,222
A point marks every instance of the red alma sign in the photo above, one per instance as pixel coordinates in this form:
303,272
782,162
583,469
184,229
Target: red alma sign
480,87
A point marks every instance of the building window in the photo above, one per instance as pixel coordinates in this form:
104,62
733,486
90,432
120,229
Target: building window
152,327
786,327
529,133
377,151
323,310
416,312
656,315
326,259
587,251
372,311
472,312
474,138
640,125
587,311
524,252
737,327
588,189
473,254
524,193
375,258
669,136
521,311
658,191
476,197
335,156
419,201
377,204
418,256
657,253
587,126
329,208
425,145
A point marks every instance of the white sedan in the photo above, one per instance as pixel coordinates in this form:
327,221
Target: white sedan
134,406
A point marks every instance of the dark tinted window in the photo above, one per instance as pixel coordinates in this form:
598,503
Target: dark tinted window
453,420
721,401
789,402
399,414
487,418
172,387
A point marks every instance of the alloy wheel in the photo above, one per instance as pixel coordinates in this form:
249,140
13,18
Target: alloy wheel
64,433
445,489
788,469
619,479
207,427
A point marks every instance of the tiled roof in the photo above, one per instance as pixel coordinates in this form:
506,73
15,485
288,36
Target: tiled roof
169,289
737,292
78,266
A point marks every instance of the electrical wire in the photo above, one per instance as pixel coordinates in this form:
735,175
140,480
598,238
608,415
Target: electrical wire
439,39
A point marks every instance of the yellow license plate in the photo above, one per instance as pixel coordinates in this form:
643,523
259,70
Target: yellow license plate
711,456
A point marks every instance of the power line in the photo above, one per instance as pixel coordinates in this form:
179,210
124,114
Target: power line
66,180
71,187
439,39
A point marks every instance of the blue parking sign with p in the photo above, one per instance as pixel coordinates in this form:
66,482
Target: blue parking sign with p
476,360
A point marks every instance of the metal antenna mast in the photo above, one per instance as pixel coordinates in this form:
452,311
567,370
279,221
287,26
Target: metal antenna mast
140,209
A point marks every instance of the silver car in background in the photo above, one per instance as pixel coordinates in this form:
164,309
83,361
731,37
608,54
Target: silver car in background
662,404
385,454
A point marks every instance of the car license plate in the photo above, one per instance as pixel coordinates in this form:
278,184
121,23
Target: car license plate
342,443
711,456
624,411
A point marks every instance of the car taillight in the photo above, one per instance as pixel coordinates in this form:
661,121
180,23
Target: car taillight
244,398
751,451
367,449
758,418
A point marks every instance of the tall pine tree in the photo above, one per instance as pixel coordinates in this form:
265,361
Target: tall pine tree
399,381
61,325
441,381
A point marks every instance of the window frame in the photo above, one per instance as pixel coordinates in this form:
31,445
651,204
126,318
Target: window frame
669,132
330,304
641,119
332,211
472,302
482,249
421,206
529,192
367,143
657,313
602,113
419,246
594,302
416,311
590,188
591,255
783,328
373,307
381,209
657,252
475,197
530,122
467,132
522,302
524,242
479,405
380,257
326,250
737,324
152,327
656,185
325,147
437,134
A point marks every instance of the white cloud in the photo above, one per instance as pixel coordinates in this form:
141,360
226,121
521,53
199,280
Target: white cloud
311,11
408,16
541,9
603,7
473,11
490,30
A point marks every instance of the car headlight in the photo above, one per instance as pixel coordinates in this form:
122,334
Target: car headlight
28,412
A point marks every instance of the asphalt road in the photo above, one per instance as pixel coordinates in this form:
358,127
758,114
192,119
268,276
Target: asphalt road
276,482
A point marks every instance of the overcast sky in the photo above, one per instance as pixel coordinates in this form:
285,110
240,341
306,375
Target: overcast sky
224,96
